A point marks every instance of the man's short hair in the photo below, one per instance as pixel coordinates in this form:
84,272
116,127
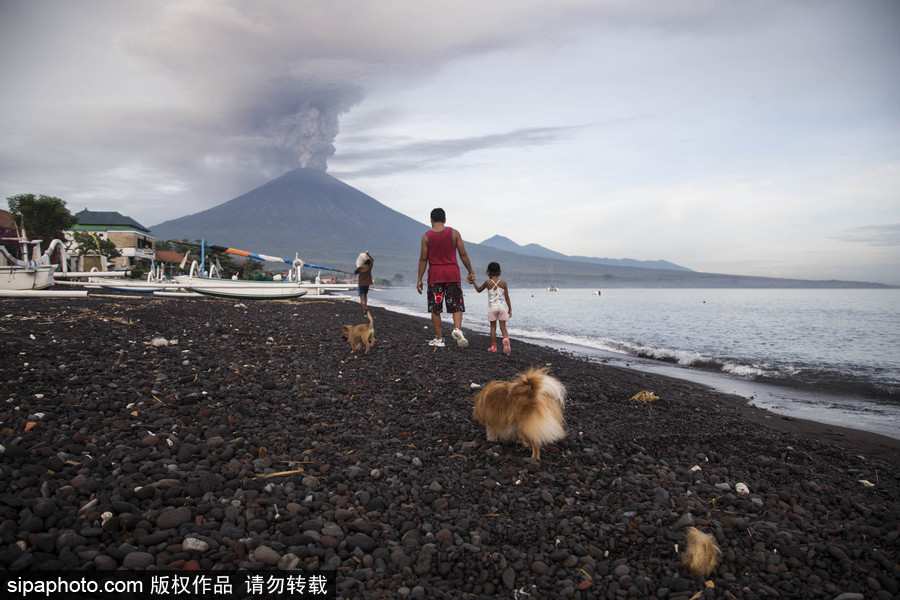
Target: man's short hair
438,215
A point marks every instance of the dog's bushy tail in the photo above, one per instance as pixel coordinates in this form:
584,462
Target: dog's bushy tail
543,398
371,324
543,385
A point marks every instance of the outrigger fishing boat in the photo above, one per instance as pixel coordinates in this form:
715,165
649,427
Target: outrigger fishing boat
246,290
24,274
293,287
31,278
193,285
208,283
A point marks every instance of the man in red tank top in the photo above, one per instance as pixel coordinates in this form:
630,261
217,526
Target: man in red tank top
438,255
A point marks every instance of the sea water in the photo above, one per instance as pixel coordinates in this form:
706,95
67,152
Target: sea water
831,356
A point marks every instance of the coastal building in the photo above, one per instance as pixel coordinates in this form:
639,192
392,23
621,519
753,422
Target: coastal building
169,257
7,226
171,262
9,237
131,238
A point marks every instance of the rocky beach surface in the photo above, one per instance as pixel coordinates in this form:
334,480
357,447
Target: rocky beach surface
158,433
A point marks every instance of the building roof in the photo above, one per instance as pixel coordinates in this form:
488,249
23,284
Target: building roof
88,219
6,220
169,256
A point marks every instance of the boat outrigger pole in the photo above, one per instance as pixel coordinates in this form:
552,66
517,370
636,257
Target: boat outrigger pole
262,257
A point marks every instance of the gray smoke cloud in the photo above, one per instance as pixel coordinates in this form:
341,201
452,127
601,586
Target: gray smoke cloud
267,89
310,134
222,95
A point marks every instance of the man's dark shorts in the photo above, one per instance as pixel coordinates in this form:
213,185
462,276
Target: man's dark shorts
445,293
363,290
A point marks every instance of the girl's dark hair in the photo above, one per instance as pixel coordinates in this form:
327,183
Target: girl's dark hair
493,269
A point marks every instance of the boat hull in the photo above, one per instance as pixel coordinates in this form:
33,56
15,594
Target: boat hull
26,278
248,292
242,289
130,286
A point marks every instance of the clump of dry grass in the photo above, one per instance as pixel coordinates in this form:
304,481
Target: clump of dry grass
702,552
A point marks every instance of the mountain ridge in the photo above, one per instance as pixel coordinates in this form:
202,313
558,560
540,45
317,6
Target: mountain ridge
504,243
328,222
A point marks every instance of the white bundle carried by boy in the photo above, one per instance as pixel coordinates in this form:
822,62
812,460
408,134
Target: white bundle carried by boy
361,259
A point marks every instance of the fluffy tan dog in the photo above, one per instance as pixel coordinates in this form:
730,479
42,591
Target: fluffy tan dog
357,335
702,553
528,408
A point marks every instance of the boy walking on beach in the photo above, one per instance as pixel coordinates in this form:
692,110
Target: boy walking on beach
499,305
364,265
438,255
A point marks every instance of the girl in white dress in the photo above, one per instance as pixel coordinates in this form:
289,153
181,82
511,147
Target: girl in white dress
499,305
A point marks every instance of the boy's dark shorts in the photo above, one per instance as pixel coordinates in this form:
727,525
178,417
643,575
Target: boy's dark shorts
363,290
445,293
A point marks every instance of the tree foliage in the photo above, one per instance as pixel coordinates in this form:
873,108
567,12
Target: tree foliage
87,243
42,216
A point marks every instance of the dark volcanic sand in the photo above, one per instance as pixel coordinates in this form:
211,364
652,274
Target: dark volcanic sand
257,441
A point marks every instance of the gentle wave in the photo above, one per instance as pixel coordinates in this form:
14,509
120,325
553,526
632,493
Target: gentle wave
847,379
795,376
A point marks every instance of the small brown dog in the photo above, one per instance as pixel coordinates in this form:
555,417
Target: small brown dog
358,335
528,409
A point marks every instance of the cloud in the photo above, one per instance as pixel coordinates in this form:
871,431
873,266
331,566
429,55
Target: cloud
411,155
262,85
873,235
255,69
165,108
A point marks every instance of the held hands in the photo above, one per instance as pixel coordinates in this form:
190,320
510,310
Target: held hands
470,279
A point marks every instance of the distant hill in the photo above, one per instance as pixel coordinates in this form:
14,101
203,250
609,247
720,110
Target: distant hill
327,222
504,243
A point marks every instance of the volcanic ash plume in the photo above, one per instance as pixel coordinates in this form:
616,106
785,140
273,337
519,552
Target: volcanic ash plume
310,133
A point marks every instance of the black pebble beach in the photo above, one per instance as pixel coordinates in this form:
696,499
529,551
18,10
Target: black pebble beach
154,433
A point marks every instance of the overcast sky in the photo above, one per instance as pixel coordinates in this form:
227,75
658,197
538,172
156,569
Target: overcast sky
753,138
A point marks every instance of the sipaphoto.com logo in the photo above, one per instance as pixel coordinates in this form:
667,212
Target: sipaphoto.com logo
71,585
